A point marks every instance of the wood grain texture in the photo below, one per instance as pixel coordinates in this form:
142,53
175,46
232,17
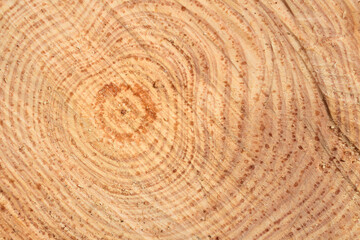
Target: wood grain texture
187,119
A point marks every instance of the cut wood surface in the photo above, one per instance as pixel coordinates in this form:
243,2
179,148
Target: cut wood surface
187,119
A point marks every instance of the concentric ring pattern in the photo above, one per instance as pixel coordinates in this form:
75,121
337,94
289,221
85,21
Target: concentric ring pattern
162,119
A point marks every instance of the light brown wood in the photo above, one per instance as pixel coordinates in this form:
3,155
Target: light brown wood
191,119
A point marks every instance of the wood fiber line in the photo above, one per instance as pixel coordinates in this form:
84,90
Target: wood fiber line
174,119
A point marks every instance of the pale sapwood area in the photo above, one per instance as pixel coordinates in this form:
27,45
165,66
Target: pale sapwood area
179,119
